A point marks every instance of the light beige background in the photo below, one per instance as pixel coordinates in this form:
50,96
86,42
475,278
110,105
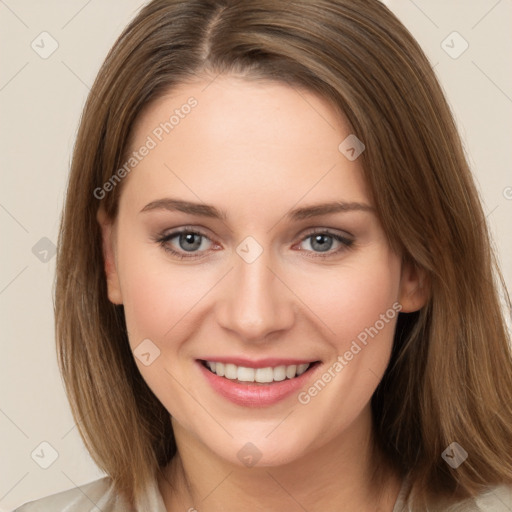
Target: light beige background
41,102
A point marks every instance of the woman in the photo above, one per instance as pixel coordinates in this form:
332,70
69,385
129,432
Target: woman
343,350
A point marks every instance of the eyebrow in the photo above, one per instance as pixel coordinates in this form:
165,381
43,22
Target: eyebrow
206,210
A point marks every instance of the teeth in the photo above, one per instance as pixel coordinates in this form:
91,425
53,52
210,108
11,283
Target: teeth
264,375
245,374
291,371
230,371
261,375
280,373
302,368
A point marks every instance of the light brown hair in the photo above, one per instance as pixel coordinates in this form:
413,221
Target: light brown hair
450,374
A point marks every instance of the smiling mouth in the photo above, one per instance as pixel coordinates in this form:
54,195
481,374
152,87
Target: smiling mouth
246,375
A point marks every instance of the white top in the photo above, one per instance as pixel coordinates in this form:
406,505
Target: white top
100,496
97,496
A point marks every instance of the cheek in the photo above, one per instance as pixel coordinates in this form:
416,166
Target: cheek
358,305
147,298
355,299
157,295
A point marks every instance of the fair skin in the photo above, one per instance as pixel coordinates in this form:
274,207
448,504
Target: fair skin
258,151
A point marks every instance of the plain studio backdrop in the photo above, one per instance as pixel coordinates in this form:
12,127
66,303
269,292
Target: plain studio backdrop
50,54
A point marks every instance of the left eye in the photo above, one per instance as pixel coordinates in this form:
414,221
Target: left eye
323,242
191,242
188,241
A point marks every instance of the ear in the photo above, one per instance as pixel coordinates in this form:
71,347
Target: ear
109,256
414,288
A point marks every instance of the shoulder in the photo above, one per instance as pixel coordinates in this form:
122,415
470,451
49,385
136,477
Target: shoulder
497,499
96,495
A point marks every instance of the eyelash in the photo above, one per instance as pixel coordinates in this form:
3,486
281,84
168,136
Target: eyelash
164,239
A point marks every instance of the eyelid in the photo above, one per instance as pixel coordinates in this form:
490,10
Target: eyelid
322,230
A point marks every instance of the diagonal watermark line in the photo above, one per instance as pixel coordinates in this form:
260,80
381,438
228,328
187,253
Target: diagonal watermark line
415,84
286,491
280,423
76,14
301,300
14,218
376,376
1,499
14,423
487,13
72,428
78,487
76,75
217,486
170,170
484,222
99,98
492,211
69,431
200,299
199,403
75,425
303,97
14,76
424,13
19,19
12,280
495,496
210,82
300,199
491,80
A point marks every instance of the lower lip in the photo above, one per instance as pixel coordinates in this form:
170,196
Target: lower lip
256,395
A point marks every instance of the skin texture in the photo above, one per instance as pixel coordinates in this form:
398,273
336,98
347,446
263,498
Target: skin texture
257,150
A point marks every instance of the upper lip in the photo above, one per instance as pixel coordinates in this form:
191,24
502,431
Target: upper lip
260,363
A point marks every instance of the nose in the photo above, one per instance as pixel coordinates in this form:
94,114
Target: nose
256,301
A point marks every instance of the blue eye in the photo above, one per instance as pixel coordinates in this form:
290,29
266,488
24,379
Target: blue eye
188,240
323,241
189,243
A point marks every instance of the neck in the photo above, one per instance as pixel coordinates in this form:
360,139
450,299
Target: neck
340,475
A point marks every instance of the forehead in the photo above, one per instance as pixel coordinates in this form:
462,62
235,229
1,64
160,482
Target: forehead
231,137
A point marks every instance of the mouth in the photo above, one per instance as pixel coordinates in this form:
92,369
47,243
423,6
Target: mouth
248,375
261,384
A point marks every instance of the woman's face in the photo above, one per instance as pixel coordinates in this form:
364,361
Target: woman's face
264,279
